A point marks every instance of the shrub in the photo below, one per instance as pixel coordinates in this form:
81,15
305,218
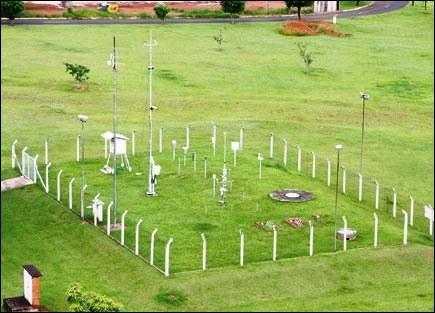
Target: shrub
306,56
172,297
78,72
161,11
11,9
206,13
89,301
144,15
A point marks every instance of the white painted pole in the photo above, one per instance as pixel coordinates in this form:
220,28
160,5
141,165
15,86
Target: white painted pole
46,151
58,184
360,182
225,147
299,158
260,161
78,148
47,187
241,137
271,146
394,202
405,227
123,227
105,149
343,179
311,238
204,252
14,156
160,140
377,195
313,168
167,252
285,152
430,225
133,142
174,146
70,192
375,240
153,236
35,166
345,233
109,207
411,210
95,219
214,185
82,201
275,239
329,172
214,138
136,247
242,247
23,162
188,136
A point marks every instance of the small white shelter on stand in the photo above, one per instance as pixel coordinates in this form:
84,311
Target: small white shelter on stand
112,141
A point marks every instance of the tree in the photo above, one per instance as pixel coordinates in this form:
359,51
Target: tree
90,301
306,56
298,5
78,72
11,9
161,11
233,7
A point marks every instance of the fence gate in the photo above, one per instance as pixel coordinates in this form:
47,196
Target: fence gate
29,167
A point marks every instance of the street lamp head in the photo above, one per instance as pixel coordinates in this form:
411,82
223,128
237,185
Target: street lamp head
83,118
363,96
338,147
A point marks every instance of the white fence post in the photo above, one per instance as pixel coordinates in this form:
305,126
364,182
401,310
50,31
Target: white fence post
411,210
241,137
47,188
188,136
242,247
311,238
405,227
375,240
360,182
344,179
214,185
285,152
160,140
14,156
377,195
329,172
260,159
58,184
123,227
133,142
299,166
23,165
70,192
430,220
153,236
275,239
109,207
78,148
345,233
394,202
35,168
204,252
167,252
271,146
213,138
313,169
46,151
136,247
82,201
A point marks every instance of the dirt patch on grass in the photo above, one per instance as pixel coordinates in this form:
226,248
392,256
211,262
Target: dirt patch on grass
309,28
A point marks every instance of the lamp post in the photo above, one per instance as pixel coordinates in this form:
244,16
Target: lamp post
364,97
338,148
83,119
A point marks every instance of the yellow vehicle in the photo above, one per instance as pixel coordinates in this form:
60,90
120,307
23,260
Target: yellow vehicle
113,8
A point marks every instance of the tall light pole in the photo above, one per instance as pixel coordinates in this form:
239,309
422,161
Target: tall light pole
338,148
83,119
151,179
364,97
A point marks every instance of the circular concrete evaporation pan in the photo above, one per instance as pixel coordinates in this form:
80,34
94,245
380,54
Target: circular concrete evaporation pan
291,195
350,234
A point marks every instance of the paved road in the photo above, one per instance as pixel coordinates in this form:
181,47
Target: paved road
377,7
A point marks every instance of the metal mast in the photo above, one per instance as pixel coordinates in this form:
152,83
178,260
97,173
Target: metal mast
114,103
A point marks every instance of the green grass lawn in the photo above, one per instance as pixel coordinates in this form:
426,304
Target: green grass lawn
256,82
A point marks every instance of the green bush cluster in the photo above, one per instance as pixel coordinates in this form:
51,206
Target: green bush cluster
206,13
90,301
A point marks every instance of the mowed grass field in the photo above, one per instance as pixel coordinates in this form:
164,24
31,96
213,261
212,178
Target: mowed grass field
256,82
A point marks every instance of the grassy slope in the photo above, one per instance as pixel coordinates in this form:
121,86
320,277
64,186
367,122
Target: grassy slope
36,230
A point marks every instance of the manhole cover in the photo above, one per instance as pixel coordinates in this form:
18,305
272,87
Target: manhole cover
291,195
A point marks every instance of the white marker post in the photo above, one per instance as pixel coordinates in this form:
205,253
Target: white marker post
14,156
428,213
174,146
377,195
313,166
241,138
213,144
345,233
167,252
214,185
213,137
271,146
360,182
260,159
70,192
123,227
204,252
299,165
46,151
78,148
136,246
47,188
58,184
285,152
153,236
275,239
405,227
109,207
242,247
311,238
394,203
343,169
160,140
133,142
375,240
328,180
411,210
82,201
235,146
